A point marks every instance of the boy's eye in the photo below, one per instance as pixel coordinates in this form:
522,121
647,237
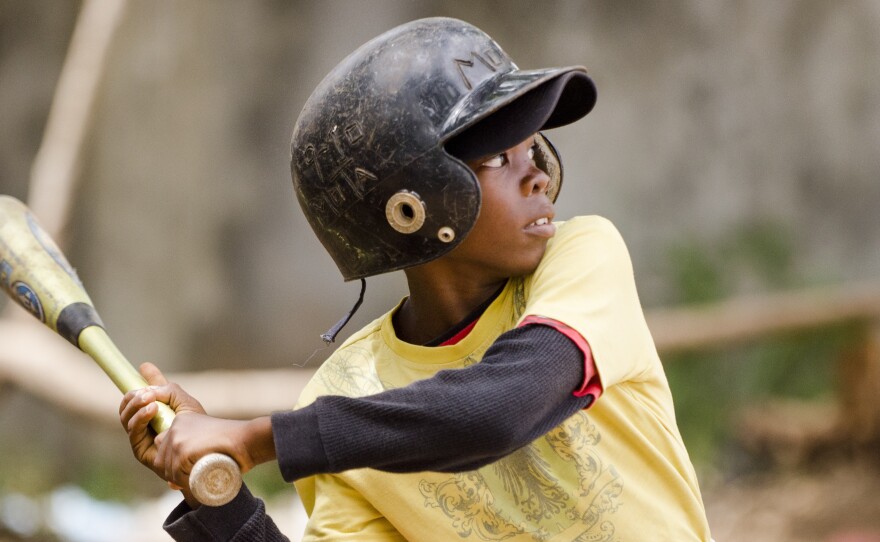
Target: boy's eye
495,161
532,150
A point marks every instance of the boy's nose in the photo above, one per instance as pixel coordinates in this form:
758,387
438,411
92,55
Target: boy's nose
536,182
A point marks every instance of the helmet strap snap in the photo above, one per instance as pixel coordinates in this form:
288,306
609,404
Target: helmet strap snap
446,234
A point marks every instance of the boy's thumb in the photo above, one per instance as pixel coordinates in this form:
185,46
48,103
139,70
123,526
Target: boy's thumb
152,374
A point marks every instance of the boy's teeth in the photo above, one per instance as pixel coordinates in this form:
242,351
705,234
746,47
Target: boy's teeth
540,222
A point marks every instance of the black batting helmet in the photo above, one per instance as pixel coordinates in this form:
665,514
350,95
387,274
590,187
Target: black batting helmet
377,154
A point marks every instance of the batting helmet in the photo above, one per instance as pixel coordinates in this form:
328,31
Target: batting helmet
377,154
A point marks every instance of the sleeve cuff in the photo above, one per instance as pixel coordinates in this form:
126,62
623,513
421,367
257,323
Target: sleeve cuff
298,446
591,385
212,523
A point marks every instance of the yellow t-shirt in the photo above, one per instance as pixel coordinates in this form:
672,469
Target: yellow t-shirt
616,472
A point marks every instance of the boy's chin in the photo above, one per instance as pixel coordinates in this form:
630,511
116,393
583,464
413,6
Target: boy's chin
525,267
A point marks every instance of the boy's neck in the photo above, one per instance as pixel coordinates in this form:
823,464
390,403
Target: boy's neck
437,302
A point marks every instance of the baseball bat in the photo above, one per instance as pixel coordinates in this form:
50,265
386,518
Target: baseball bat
35,273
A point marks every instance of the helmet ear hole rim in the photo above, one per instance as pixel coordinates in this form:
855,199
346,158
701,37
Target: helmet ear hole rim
405,212
547,159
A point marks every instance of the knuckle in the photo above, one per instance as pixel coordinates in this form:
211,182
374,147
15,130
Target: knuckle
178,447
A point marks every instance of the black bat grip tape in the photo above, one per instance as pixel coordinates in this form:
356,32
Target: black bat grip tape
75,318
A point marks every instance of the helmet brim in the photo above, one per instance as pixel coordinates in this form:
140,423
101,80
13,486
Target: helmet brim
507,109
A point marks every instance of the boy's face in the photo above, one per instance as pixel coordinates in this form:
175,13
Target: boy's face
516,216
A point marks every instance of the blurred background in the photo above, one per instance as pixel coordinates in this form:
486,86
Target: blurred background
734,144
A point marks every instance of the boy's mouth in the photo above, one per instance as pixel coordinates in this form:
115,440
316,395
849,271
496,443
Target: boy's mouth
540,222
542,227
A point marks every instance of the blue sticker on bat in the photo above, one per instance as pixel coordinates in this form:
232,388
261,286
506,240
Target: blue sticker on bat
28,299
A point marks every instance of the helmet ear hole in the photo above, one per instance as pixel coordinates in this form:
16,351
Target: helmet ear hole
405,211
547,159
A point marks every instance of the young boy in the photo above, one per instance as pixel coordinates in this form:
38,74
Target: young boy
516,393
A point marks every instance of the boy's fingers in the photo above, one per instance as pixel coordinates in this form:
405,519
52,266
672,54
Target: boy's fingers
172,457
139,435
139,420
163,460
177,469
131,403
169,393
123,406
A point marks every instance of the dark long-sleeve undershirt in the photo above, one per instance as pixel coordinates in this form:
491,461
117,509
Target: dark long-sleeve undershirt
243,519
457,420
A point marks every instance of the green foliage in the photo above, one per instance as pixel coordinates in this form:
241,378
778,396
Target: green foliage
695,276
764,249
710,386
757,256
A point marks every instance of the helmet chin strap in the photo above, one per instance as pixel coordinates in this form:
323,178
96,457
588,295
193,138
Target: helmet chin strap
330,336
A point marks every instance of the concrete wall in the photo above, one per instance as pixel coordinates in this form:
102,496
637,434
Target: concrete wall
714,118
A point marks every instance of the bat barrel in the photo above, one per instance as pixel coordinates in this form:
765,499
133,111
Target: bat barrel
35,273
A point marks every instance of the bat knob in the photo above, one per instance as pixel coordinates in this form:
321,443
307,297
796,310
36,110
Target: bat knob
215,479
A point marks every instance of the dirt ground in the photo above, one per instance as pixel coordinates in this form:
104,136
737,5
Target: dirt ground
837,501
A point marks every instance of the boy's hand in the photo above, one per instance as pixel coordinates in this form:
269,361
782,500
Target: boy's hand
138,407
193,434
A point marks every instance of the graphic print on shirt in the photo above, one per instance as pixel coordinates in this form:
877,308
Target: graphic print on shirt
468,501
519,299
521,495
538,495
575,441
349,376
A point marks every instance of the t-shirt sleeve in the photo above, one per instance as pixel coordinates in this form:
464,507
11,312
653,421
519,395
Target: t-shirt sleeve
585,281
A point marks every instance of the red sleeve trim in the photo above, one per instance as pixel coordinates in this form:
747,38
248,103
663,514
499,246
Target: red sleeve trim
591,385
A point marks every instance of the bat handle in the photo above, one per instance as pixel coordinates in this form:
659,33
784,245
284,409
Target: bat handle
216,478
